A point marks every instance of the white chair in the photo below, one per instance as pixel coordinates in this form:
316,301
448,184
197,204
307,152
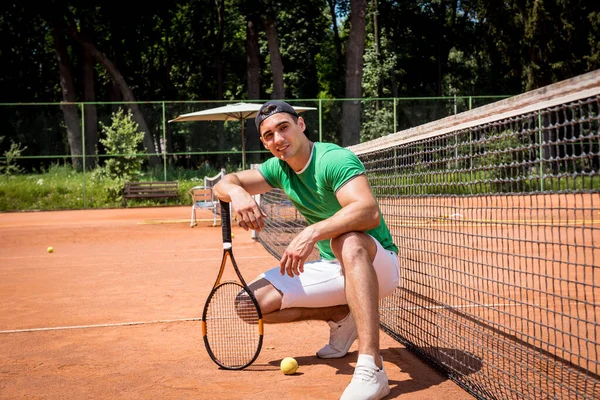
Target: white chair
202,198
210,181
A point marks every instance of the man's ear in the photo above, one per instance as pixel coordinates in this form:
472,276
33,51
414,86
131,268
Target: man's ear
263,142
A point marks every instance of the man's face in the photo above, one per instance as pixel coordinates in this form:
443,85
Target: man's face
279,134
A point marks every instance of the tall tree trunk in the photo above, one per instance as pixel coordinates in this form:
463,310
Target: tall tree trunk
276,63
149,142
219,4
117,49
220,11
339,62
377,48
72,120
393,76
538,72
90,114
167,77
446,16
253,84
355,47
253,57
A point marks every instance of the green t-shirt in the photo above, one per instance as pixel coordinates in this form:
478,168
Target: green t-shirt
312,191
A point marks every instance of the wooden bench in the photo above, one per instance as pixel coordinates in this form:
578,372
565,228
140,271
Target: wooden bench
149,190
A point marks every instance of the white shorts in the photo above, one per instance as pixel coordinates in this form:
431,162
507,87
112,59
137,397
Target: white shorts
322,282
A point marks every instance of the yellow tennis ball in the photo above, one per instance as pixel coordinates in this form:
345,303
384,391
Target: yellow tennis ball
289,365
50,249
232,235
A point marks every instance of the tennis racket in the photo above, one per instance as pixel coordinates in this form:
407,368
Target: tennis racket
232,325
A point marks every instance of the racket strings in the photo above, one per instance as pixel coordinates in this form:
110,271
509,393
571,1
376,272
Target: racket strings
232,331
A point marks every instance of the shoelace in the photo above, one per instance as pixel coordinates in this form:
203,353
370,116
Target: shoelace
364,373
333,335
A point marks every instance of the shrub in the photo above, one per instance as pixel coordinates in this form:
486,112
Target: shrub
8,166
123,138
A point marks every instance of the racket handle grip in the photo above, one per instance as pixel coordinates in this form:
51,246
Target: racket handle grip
225,222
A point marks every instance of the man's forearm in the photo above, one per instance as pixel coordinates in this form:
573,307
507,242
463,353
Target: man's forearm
226,185
351,218
241,184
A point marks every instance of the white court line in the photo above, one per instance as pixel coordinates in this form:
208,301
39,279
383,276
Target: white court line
165,321
59,328
70,257
470,306
449,306
239,249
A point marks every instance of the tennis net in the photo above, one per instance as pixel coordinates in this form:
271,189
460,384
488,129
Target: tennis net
496,212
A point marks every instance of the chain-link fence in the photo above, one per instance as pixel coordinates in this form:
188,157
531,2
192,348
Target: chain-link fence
35,140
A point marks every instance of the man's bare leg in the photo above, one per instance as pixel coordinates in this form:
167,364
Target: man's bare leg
269,300
356,252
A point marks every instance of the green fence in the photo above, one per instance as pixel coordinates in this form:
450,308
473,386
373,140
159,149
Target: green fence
182,151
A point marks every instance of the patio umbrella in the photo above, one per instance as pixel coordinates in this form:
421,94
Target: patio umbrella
238,111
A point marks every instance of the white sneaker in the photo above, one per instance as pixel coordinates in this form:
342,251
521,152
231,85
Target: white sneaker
368,381
341,336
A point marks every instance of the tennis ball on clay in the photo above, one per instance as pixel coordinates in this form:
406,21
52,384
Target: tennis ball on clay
50,249
289,365
232,235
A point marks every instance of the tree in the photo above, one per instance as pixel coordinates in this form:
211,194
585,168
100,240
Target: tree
89,110
179,51
220,12
337,44
123,87
355,46
379,67
122,139
253,55
535,43
68,105
275,55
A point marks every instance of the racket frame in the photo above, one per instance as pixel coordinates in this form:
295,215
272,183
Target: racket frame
228,254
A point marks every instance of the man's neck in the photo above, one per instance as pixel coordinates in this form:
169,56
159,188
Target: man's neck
298,162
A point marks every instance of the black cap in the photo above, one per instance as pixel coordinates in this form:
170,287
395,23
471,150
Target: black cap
273,107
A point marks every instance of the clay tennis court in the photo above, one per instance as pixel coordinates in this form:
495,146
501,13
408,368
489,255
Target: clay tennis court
114,313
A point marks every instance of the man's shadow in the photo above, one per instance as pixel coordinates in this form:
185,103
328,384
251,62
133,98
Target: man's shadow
422,375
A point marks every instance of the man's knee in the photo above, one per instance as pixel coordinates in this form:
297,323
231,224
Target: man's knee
244,307
268,297
353,246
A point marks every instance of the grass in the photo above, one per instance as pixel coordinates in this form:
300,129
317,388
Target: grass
62,188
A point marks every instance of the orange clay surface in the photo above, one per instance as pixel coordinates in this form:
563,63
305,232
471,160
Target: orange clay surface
113,313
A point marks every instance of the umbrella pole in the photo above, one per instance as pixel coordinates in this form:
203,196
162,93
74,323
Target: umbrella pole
243,146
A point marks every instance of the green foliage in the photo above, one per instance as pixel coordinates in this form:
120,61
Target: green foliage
377,122
177,50
378,68
378,117
59,188
303,32
7,165
122,140
502,160
113,187
63,188
179,174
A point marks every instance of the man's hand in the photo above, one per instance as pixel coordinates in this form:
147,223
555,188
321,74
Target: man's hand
296,253
248,213
237,189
